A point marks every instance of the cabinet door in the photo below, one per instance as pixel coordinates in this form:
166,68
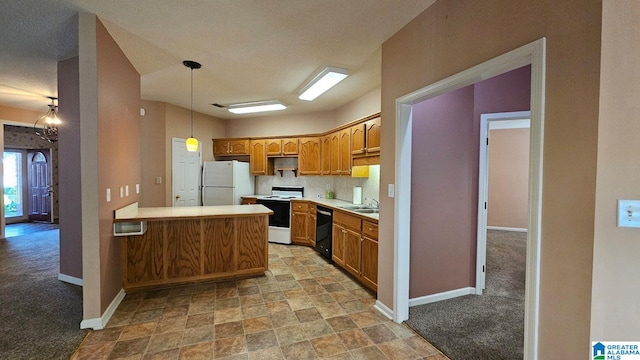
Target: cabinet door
239,147
335,153
299,228
373,128
352,252
325,166
258,159
337,250
290,147
369,266
309,159
345,152
311,229
274,147
220,147
357,139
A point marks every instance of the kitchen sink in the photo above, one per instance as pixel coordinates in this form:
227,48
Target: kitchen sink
366,211
354,207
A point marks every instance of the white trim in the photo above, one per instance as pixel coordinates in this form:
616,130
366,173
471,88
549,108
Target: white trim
428,299
502,228
510,124
70,279
101,322
531,54
489,122
383,309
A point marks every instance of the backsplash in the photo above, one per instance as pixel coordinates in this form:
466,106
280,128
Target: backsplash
315,186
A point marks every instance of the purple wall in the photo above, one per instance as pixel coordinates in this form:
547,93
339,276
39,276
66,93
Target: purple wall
69,169
445,146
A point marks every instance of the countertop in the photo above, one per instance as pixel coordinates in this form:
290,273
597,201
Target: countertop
169,213
332,203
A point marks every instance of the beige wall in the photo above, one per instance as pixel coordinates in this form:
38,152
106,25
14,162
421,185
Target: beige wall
13,115
615,307
178,124
508,178
152,165
281,125
118,151
365,105
452,36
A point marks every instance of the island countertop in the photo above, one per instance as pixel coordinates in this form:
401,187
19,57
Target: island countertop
133,213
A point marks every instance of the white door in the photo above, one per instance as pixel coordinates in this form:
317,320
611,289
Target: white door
185,167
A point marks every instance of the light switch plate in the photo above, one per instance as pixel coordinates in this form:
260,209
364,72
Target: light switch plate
108,194
137,188
126,190
121,192
629,213
391,190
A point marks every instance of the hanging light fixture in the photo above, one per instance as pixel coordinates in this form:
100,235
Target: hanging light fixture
48,130
192,143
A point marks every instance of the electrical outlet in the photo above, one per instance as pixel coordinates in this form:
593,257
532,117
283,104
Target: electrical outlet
159,180
328,186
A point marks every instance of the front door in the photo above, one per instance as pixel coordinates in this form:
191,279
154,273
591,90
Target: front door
186,170
39,185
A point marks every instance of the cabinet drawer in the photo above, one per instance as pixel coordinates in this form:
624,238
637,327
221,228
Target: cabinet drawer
299,206
312,209
370,230
348,221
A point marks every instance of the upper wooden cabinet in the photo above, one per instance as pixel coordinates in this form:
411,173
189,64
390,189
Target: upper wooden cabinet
358,139
230,147
365,142
372,135
282,147
309,158
325,155
334,144
258,162
345,152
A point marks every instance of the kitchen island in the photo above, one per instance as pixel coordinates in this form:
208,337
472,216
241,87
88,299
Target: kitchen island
191,244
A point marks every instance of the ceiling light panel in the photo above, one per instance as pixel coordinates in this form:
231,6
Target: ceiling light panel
324,81
255,107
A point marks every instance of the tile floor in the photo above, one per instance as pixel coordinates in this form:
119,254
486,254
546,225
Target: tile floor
304,308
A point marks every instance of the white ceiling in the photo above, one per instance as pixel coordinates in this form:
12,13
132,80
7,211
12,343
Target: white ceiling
250,50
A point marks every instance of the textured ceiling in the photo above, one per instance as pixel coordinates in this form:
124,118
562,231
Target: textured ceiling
250,50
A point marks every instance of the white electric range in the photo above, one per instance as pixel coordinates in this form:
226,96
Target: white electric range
280,202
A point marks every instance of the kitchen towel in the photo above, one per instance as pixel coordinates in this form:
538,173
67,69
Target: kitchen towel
357,195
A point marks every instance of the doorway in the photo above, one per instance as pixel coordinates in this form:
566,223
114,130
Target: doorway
185,174
531,54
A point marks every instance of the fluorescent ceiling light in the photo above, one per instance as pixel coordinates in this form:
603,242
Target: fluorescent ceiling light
324,81
254,107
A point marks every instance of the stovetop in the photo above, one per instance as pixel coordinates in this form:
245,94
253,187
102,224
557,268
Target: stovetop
284,193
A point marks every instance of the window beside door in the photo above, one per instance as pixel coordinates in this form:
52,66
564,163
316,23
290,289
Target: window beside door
13,184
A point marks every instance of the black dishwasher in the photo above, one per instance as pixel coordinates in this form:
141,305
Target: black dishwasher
323,231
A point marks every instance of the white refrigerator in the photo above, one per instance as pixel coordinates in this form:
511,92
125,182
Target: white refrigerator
224,182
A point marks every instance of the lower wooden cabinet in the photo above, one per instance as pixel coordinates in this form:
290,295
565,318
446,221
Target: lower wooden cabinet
355,247
311,225
299,211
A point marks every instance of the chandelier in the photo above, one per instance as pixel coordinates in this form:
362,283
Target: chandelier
48,130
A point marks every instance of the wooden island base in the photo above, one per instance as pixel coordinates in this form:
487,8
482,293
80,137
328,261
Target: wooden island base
188,250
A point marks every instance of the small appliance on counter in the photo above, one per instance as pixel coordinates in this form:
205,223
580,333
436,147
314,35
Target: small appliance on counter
224,182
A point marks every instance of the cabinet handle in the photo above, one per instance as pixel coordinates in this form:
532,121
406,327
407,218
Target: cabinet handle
370,229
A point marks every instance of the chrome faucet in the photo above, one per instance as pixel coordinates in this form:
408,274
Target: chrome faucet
377,203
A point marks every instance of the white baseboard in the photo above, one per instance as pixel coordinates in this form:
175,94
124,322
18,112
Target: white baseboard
502,228
383,309
442,296
101,322
70,279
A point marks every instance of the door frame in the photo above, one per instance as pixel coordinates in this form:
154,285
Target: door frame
486,122
182,142
533,54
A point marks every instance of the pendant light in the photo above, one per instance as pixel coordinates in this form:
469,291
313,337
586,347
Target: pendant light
49,129
192,143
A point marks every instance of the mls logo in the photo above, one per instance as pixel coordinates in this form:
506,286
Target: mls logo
598,351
